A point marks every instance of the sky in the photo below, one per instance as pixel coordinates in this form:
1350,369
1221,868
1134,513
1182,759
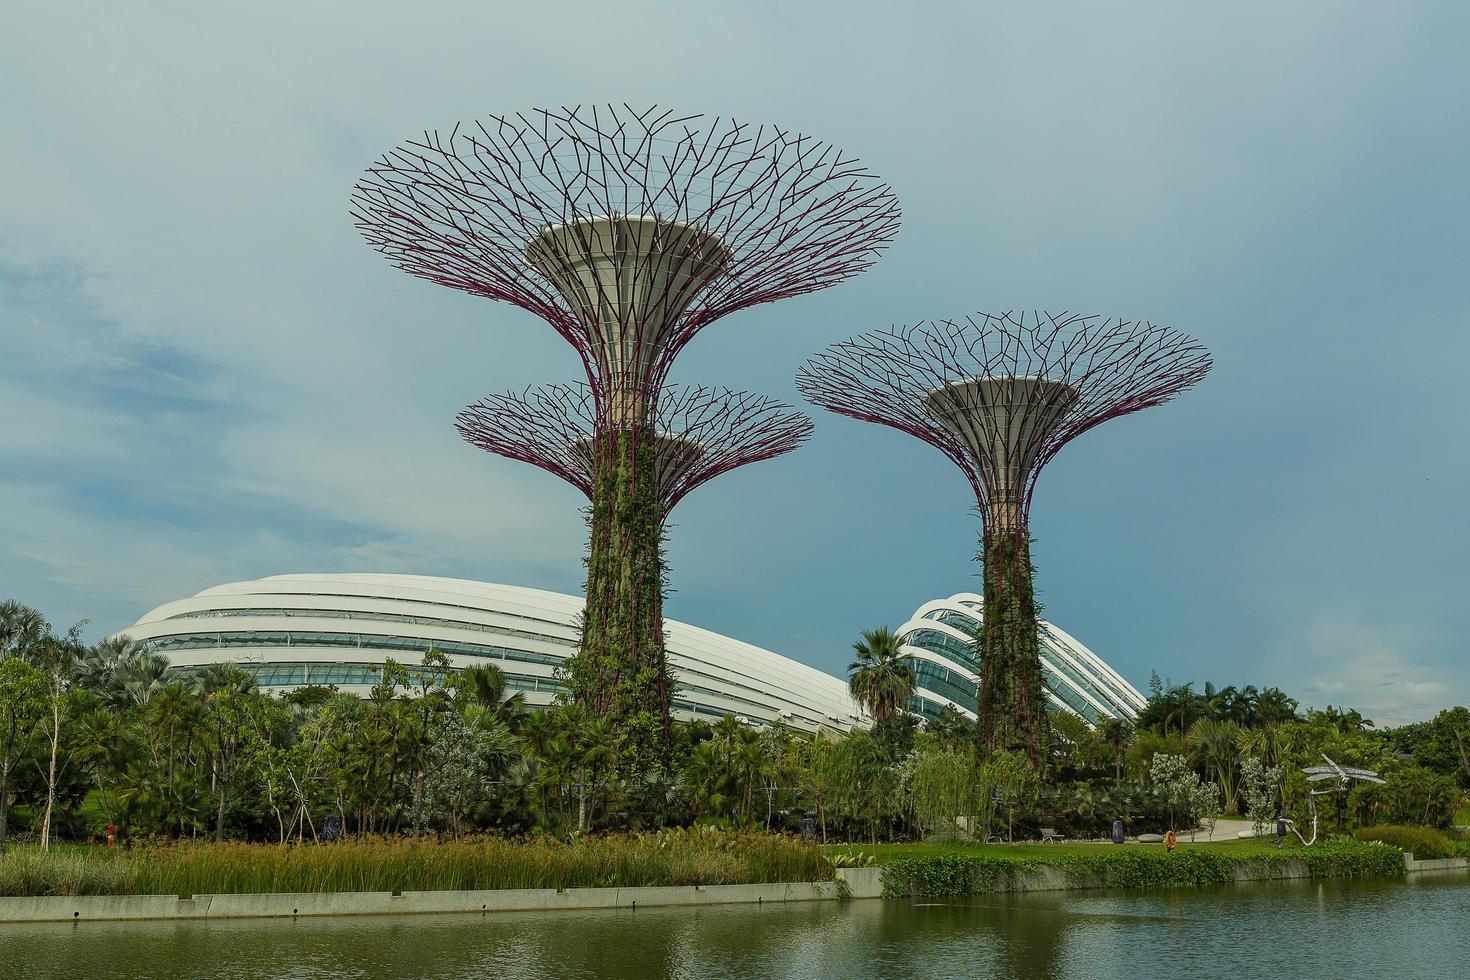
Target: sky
207,376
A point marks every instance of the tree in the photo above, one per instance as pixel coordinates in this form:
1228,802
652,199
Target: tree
1117,734
57,657
1186,794
486,685
22,703
1213,745
21,627
227,692
817,766
1260,784
1012,778
945,791
867,785
881,679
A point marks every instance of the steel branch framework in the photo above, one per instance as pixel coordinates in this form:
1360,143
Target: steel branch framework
1001,394
628,231
699,433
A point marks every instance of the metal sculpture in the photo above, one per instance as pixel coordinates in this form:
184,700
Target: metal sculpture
1333,780
628,232
699,433
1000,395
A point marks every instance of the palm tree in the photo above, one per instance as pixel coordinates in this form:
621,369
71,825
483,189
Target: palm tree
705,774
1263,742
1116,733
1213,744
881,678
1273,706
21,627
535,732
596,749
143,675
486,685
223,678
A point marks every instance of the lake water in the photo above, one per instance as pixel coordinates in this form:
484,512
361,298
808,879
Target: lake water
1380,929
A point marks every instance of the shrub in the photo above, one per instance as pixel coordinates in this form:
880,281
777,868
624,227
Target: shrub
1422,842
956,875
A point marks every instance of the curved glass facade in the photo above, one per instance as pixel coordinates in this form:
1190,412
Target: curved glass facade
1076,679
294,630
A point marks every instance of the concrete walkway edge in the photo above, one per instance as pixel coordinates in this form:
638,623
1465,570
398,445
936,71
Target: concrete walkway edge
855,883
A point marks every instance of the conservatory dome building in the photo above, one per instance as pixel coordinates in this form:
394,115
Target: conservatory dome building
937,641
290,631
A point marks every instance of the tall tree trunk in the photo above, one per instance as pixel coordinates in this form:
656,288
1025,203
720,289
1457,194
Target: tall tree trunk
1012,700
4,797
219,817
51,774
620,669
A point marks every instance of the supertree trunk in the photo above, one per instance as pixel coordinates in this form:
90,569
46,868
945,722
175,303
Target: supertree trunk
619,670
1012,703
1000,395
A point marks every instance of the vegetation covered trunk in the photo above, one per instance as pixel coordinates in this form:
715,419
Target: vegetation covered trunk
1012,701
619,671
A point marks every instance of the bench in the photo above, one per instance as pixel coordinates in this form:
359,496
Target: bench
1049,835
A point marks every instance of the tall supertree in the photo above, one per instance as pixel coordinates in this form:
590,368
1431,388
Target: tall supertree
628,232
1000,395
698,433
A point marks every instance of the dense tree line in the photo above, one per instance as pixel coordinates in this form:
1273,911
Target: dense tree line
108,735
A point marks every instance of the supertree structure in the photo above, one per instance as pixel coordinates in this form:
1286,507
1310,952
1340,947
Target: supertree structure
628,232
1000,395
698,433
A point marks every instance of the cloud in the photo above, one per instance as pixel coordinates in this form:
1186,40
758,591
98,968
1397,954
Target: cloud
207,376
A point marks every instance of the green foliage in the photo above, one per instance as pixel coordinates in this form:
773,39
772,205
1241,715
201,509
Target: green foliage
1422,842
1188,799
1441,745
1011,698
1261,785
672,857
1410,794
958,875
946,794
620,670
881,678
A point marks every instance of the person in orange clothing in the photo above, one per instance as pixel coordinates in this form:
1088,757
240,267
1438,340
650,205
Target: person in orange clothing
1170,841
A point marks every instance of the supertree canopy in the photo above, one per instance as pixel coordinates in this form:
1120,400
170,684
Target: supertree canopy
699,433
1000,395
628,232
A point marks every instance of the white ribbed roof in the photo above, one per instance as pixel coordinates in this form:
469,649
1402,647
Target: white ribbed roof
697,656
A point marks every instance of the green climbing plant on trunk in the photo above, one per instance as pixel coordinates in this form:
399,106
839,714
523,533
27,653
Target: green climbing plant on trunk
1012,706
620,671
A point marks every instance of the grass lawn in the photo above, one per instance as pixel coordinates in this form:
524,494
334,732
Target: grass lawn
888,853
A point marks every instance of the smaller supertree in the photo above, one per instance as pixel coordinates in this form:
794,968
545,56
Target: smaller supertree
1000,395
698,433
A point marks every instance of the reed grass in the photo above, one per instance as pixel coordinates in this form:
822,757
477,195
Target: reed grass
694,857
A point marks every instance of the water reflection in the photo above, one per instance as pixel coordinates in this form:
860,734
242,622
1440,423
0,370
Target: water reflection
1418,928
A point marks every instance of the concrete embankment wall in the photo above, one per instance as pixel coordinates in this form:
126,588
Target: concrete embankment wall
286,905
1435,864
855,883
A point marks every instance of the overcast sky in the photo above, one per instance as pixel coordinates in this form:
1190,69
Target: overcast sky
207,376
